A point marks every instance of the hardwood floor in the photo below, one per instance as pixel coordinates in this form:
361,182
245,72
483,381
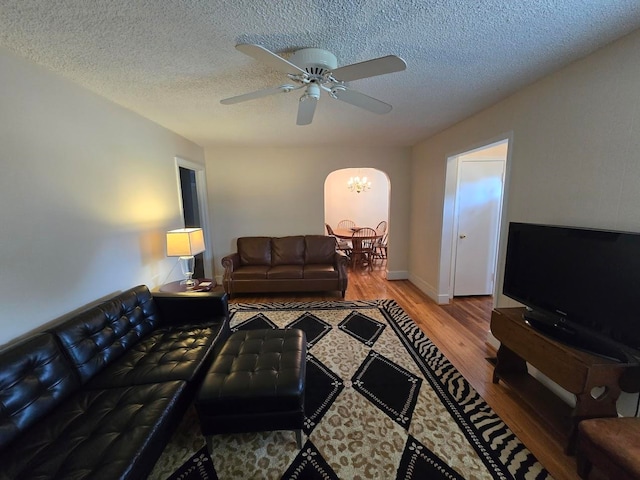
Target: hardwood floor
460,331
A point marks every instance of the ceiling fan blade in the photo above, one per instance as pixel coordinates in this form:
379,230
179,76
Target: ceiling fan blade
369,68
361,100
258,94
269,58
306,109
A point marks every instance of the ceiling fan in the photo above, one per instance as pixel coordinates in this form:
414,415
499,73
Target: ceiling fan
315,70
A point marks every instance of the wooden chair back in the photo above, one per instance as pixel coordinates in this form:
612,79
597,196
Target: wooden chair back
329,230
346,224
363,242
343,246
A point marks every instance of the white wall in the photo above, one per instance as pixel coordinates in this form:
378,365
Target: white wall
280,191
573,154
88,190
575,138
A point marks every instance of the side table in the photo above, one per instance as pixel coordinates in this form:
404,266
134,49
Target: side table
177,287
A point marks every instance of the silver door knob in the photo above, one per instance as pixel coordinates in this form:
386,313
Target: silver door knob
463,236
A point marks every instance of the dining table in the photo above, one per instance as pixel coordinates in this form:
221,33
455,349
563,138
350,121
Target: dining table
356,241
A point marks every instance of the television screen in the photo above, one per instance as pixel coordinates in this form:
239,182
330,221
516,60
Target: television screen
584,283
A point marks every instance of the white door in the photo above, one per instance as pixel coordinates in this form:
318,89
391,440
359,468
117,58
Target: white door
479,200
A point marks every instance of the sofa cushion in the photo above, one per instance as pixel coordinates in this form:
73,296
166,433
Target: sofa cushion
95,338
320,249
287,251
167,354
35,377
251,272
254,250
99,434
320,271
286,271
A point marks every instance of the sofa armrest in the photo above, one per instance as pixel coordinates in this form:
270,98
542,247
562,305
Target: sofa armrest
230,262
192,307
340,262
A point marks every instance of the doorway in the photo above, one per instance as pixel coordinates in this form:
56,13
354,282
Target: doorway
368,208
191,211
478,214
192,190
472,219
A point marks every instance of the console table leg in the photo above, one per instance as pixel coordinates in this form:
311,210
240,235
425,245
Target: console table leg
588,406
508,362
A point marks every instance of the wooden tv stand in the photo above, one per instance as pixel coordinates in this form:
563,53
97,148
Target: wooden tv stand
574,370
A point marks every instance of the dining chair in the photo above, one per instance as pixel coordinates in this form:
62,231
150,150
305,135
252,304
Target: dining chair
346,224
330,231
380,247
342,245
363,241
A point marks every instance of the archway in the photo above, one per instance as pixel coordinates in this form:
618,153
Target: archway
367,208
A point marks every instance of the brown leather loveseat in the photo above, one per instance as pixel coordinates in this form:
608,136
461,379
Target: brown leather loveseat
285,264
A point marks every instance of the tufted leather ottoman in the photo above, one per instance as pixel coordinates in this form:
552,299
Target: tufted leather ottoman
255,384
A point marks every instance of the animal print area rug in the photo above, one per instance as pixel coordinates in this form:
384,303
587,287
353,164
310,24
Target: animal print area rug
381,402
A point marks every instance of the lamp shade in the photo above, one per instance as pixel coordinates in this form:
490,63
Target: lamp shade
185,242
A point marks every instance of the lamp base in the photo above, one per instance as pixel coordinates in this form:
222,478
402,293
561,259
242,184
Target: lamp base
189,283
186,264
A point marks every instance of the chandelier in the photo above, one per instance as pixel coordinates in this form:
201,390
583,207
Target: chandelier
357,184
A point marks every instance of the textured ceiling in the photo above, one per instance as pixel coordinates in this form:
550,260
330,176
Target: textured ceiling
173,61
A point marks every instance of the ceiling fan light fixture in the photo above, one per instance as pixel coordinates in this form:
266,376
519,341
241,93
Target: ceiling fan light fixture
307,104
336,90
313,91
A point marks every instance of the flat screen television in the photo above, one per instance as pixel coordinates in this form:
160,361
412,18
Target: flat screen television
580,286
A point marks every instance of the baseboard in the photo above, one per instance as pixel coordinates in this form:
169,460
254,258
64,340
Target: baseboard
429,290
493,341
397,275
442,299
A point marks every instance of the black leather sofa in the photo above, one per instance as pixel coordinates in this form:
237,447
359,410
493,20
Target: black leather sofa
99,395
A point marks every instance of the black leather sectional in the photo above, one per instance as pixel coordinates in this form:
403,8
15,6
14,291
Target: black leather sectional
99,395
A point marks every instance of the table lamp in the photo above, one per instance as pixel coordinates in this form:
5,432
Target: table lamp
185,243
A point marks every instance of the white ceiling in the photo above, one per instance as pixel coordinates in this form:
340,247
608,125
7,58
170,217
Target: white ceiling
172,61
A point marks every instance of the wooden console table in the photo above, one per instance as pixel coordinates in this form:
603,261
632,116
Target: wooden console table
593,379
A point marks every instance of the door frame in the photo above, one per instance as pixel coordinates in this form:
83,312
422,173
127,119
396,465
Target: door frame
201,185
450,220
